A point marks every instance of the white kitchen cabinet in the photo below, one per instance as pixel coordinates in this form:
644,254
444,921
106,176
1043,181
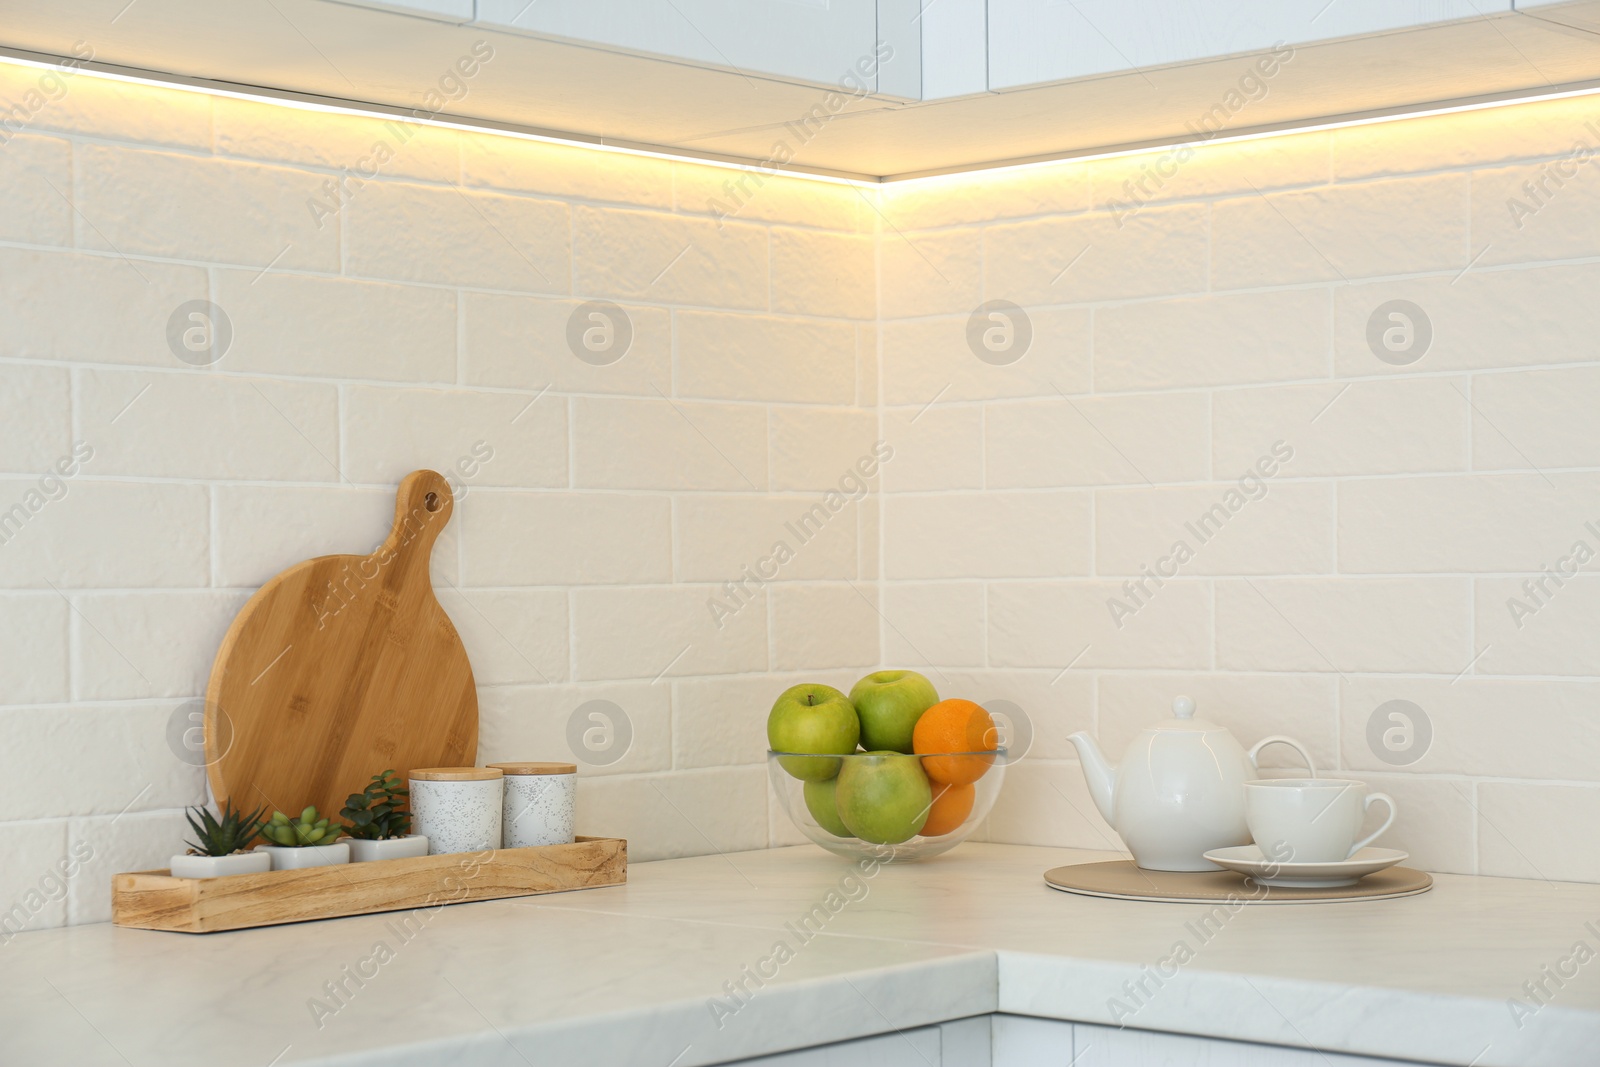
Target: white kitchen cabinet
1034,41
963,1043
818,41
1020,1041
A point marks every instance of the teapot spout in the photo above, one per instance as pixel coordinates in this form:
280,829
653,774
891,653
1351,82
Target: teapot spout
1101,775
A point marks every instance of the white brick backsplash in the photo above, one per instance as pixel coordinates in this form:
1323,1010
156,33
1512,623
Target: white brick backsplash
261,530
933,626
1412,525
197,425
1157,252
934,448
1252,706
35,418
147,644
1534,419
930,273
1339,625
511,635
48,296
1048,803
137,841
1340,232
1222,309
622,255
720,721
521,342
1435,821
36,877
1247,338
1479,726
817,273
726,538
668,444
1075,625
1378,427
538,723
1537,211
660,633
1525,626
1036,710
96,760
1097,441
337,328
763,357
994,535
104,535
815,627
1539,831
1484,319
825,451
503,439
1256,528
566,539
455,237
932,361
686,813
33,631
134,202
36,173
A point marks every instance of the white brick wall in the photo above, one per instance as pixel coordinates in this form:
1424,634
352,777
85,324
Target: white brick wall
1179,332
1174,344
426,318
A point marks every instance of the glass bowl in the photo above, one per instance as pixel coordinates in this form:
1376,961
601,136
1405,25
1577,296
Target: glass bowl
891,776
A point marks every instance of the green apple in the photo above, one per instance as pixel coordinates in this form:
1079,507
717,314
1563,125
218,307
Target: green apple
889,704
812,718
883,800
820,802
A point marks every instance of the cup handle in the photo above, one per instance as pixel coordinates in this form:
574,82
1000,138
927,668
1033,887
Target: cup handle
1291,742
1370,838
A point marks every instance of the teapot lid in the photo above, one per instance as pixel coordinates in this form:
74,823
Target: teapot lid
1183,720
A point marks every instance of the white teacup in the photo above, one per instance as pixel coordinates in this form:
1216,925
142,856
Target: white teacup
1310,820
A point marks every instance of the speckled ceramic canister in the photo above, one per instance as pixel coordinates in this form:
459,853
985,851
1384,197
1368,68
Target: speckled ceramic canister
540,803
457,808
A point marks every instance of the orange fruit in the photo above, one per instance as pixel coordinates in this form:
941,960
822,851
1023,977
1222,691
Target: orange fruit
955,726
951,806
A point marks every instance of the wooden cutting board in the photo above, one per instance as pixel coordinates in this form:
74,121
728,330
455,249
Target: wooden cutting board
341,667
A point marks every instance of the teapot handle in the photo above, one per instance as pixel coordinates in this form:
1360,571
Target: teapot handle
1291,742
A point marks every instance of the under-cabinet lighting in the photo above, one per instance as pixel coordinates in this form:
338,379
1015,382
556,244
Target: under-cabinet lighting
365,109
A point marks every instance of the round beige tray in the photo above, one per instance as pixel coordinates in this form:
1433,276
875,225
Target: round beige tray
1121,880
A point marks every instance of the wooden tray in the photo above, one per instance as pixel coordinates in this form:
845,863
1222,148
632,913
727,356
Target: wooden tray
154,900
1122,880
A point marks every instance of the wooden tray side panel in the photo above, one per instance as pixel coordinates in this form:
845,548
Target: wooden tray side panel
154,900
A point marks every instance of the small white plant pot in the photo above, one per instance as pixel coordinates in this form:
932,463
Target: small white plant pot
389,848
187,866
292,858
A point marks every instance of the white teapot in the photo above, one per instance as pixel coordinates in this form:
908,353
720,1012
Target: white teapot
1179,791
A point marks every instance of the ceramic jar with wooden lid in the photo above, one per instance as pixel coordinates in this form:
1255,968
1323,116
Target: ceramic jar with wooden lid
540,803
458,809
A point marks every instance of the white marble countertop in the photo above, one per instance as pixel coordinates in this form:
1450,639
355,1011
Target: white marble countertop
629,975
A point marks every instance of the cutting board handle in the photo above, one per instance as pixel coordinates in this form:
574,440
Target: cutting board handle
422,509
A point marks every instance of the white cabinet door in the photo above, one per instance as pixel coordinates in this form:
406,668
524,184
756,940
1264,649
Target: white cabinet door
820,41
1107,1046
1032,41
910,1048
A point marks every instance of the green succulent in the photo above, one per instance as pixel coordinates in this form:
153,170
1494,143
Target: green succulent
379,811
308,830
233,833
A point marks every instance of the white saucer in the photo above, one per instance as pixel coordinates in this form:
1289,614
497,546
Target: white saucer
1249,860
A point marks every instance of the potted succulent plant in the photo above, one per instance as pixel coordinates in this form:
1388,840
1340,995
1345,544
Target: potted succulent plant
378,823
219,845
309,841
